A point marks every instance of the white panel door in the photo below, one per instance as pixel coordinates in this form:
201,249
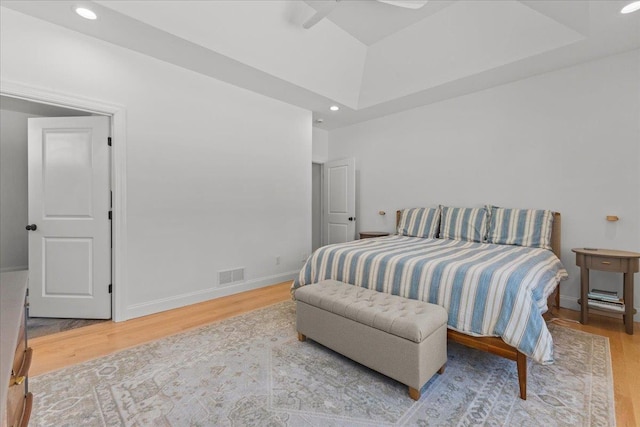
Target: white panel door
340,201
69,226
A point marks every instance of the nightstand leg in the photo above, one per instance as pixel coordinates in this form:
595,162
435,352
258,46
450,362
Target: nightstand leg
584,290
628,302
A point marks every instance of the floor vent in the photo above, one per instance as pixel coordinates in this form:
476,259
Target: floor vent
230,276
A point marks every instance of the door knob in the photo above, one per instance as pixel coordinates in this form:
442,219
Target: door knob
32,227
352,218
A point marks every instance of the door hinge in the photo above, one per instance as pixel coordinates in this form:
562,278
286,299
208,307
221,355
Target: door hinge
110,215
109,141
110,288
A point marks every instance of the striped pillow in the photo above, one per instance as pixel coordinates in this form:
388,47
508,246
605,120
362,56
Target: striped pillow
467,224
419,222
521,227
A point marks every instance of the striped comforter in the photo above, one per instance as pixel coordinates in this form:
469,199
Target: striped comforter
487,289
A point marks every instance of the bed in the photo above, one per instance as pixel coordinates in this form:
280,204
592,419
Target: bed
495,294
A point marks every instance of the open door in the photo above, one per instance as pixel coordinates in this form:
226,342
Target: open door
340,201
69,219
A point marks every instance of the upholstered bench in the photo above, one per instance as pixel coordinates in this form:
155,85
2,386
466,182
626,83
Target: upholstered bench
401,338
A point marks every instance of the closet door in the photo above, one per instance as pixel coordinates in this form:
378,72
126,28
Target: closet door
340,201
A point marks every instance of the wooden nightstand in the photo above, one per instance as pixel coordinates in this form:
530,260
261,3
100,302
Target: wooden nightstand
607,260
370,234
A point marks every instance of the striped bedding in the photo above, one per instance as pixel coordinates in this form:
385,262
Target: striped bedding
487,289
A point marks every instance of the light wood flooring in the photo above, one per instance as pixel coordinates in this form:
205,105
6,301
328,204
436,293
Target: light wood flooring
66,348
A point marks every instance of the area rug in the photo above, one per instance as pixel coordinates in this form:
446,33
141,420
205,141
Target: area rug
252,371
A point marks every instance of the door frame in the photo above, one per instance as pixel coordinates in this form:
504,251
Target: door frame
117,115
321,195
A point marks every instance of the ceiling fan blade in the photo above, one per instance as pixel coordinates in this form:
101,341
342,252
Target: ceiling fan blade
407,4
319,15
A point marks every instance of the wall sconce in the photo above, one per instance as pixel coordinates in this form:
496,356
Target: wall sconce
612,218
382,213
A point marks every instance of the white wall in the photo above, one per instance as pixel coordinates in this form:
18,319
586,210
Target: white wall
567,141
320,149
14,244
217,177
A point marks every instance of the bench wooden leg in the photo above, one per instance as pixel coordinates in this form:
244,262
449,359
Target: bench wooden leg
301,337
521,361
414,394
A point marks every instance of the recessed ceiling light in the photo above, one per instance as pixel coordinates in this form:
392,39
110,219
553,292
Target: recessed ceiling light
334,108
86,13
631,7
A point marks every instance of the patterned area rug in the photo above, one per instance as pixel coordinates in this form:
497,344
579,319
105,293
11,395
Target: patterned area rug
252,371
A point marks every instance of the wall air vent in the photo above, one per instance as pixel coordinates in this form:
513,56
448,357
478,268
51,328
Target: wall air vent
227,277
238,275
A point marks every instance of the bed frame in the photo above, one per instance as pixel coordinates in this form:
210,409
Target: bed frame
496,345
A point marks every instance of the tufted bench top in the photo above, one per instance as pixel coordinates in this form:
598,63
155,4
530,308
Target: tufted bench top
410,319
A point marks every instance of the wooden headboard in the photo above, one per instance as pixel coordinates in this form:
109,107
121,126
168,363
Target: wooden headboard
556,232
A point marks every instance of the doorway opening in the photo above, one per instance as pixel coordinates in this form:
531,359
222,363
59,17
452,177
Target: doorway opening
118,169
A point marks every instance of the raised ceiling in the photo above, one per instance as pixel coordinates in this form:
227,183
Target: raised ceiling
370,58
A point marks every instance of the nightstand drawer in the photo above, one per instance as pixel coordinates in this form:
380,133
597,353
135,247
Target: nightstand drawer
20,375
604,263
19,406
18,358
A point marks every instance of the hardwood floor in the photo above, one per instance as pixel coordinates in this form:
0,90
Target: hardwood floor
66,348
78,345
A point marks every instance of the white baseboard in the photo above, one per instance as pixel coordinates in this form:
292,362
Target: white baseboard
164,304
572,304
20,267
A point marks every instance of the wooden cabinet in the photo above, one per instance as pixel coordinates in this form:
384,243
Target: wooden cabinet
15,354
607,260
